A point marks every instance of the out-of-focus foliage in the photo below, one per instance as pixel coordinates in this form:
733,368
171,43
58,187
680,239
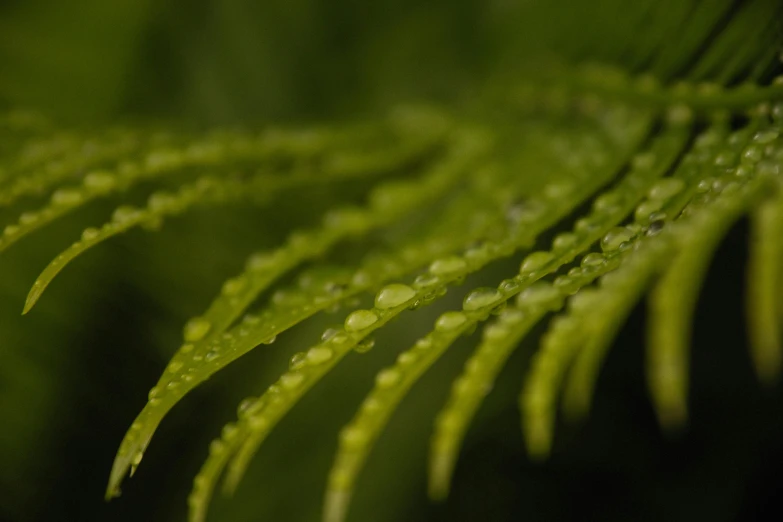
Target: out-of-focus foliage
313,171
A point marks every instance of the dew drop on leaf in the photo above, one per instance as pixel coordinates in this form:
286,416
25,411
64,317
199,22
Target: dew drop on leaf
393,295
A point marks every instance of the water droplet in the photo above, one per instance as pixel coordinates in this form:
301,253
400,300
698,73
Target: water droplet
346,219
528,210
216,447
251,319
614,238
418,302
425,343
291,380
450,321
247,407
360,320
297,361
258,262
479,254
229,432
658,216
393,295
606,202
766,136
99,181
406,358
211,355
11,230
154,392
136,460
564,241
288,298
752,154
666,188
495,331
582,301
175,366
481,298
124,214
563,283
67,197
196,329
160,202
426,281
353,437
539,294
679,115
331,332
725,159
234,286
269,340
586,225
449,422
448,265
511,316
655,227
90,233
387,378
319,354
371,405
28,218
535,261
365,345
593,260
509,286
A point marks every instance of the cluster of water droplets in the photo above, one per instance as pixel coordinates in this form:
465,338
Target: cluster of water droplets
700,179
390,386
481,302
733,192
316,290
100,182
476,307
208,346
609,82
258,415
46,162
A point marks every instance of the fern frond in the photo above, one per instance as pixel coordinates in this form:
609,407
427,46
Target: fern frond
695,175
374,272
765,280
447,271
232,346
391,385
206,190
223,151
602,321
499,340
44,164
206,351
533,267
607,160
673,299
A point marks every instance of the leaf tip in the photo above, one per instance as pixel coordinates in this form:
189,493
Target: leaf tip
336,505
440,472
33,296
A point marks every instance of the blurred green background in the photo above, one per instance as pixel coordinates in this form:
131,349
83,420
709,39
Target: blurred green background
76,371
